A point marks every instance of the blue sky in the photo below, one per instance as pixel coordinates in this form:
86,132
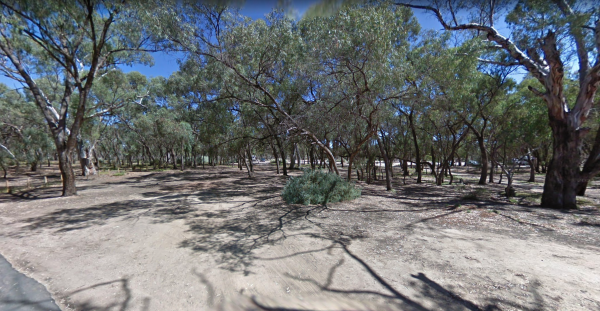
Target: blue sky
165,64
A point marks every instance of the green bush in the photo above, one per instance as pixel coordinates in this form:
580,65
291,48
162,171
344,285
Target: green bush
317,187
476,194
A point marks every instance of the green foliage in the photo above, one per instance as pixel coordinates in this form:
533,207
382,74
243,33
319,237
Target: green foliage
318,187
476,194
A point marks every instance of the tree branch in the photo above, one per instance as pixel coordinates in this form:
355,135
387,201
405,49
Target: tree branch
537,70
493,62
8,151
577,33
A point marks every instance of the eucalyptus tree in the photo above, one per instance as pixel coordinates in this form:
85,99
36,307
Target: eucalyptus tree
447,131
477,105
565,33
10,132
441,122
396,137
23,135
426,60
357,63
75,41
112,91
257,60
276,65
157,117
530,122
194,92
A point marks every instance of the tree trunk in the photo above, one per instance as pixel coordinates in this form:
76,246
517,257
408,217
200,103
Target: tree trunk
388,179
531,163
282,152
581,187
250,164
292,158
500,179
562,178
536,157
416,142
275,155
66,170
248,169
322,159
313,164
34,166
173,159
433,166
350,163
484,161
588,170
298,158
182,158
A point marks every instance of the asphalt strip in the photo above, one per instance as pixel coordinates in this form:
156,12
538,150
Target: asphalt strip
19,292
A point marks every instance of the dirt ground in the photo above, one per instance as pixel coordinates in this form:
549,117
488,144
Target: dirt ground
215,239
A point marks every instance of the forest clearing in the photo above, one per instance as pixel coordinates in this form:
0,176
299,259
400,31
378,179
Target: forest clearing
194,240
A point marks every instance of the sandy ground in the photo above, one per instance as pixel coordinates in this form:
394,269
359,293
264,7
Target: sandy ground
211,239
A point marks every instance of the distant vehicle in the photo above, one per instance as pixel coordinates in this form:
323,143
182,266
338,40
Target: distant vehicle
471,162
522,160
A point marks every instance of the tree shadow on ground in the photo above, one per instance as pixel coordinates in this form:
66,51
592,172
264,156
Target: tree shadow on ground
254,216
30,194
426,289
121,301
169,208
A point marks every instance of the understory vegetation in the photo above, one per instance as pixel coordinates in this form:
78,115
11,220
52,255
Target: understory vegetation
318,187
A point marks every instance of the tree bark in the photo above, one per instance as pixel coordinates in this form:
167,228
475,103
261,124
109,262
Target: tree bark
388,179
350,162
66,171
298,158
293,157
484,160
416,142
85,155
275,156
590,166
311,155
405,167
282,152
356,151
562,178
492,168
182,158
531,163
250,164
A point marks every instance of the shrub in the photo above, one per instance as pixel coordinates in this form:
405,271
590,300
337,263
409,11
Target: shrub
476,194
317,187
